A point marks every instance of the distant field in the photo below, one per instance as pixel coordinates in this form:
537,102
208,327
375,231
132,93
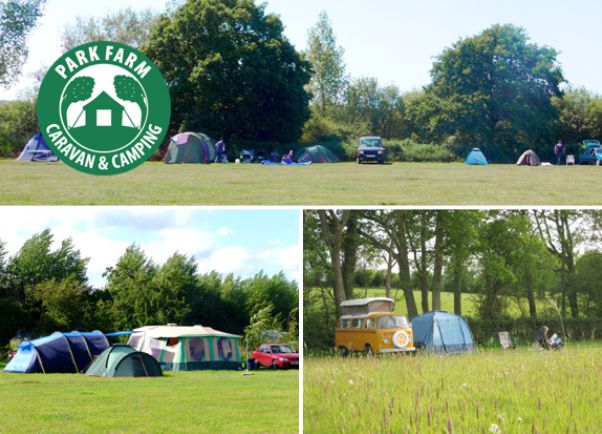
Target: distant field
447,302
320,184
519,391
191,402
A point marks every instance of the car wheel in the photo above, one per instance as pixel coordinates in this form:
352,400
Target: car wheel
368,350
274,364
343,351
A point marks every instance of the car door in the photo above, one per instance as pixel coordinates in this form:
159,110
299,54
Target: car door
265,357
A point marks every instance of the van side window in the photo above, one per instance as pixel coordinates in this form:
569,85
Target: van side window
370,323
345,323
356,323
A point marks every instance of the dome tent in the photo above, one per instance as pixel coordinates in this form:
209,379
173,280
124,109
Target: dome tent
37,150
123,361
58,353
316,154
476,157
442,332
182,348
529,158
190,148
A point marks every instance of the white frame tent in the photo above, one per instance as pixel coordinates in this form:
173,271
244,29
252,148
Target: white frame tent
188,348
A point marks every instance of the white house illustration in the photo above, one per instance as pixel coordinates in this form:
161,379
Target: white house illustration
104,112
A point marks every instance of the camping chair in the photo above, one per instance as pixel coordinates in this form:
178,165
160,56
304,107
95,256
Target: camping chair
506,340
541,338
570,160
247,155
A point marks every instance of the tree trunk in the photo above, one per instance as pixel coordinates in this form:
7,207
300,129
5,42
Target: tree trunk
424,290
404,268
350,248
438,262
457,282
332,233
388,275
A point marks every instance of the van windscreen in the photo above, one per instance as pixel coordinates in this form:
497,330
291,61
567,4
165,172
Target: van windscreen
392,322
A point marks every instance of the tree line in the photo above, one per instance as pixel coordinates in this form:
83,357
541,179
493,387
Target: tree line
232,72
43,290
531,258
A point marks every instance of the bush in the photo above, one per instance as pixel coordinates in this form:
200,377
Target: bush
410,151
18,123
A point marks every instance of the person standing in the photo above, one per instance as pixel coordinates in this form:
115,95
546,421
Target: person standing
559,151
220,150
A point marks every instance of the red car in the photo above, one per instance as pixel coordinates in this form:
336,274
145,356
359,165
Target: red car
275,356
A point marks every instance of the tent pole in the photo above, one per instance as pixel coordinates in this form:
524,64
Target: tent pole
71,353
40,360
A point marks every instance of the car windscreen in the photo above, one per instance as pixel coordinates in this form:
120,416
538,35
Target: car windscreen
281,349
392,322
370,142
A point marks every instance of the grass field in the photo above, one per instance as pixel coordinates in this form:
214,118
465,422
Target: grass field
193,402
320,184
520,391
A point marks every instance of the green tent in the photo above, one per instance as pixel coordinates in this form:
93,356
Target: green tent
316,154
190,148
123,361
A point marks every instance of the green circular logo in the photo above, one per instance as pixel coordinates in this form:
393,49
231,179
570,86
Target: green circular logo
104,108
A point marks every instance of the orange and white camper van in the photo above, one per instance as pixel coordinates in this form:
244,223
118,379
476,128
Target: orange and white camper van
370,325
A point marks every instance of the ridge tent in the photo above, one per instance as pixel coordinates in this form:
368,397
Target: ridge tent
36,149
316,154
442,332
59,352
476,157
121,360
190,148
529,158
182,348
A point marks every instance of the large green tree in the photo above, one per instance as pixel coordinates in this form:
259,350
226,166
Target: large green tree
231,71
497,90
326,57
17,19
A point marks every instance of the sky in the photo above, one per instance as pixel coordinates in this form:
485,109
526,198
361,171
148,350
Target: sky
392,40
237,241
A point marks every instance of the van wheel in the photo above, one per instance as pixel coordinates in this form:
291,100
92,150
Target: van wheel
368,350
343,352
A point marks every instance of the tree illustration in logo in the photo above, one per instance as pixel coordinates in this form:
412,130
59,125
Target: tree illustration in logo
128,89
80,89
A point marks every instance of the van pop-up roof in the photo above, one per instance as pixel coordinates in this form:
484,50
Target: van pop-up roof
367,305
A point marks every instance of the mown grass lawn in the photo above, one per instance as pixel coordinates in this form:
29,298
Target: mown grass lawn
516,391
191,402
320,184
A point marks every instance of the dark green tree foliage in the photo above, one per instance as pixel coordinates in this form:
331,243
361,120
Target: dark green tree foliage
588,281
231,71
496,89
171,286
17,19
129,283
276,291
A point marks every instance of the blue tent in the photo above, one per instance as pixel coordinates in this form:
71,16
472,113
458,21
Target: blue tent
442,332
59,352
476,157
37,150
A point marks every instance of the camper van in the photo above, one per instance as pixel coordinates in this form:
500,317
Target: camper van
369,325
